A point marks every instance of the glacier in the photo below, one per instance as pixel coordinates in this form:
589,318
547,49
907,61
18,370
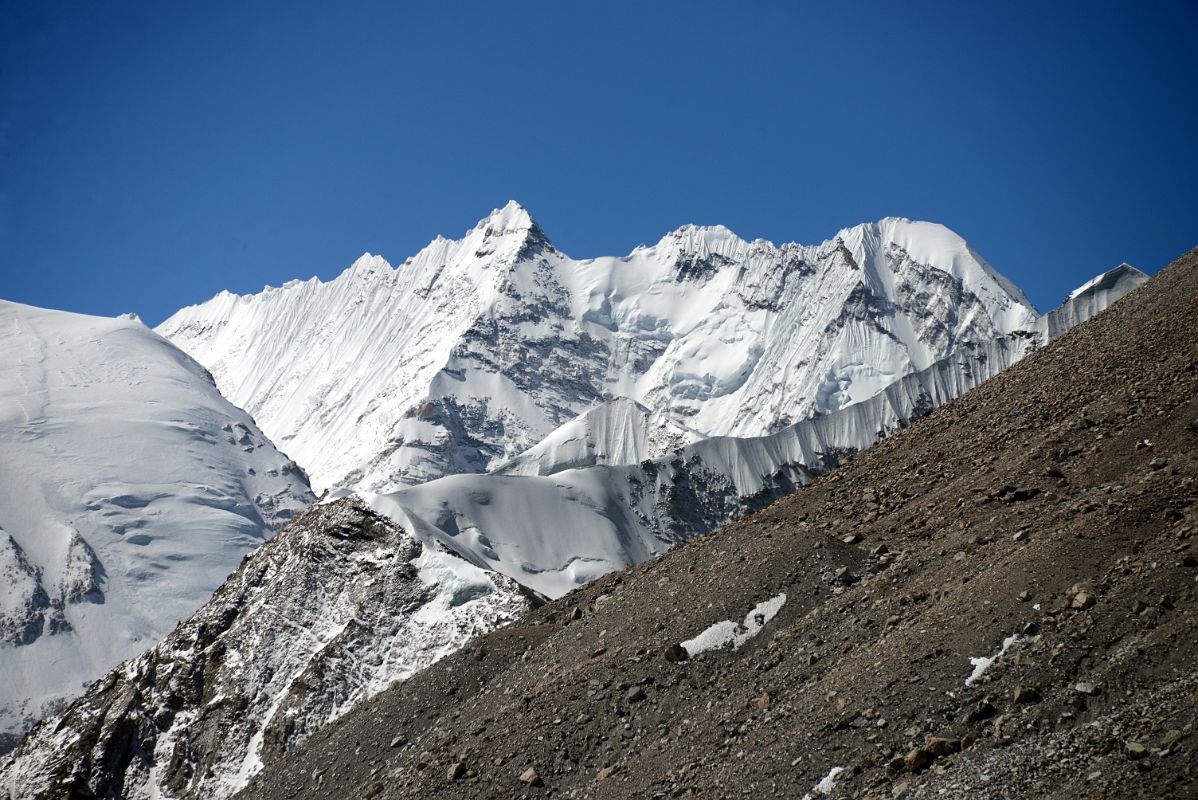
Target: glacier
553,525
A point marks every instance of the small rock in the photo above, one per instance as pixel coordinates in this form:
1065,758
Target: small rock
1026,694
940,746
635,694
984,710
1000,723
1171,738
917,760
576,613
598,651
605,773
1025,595
458,770
530,777
1158,463
959,556
893,620
1082,600
1134,751
1020,536
1031,629
1086,688
851,538
398,741
762,702
676,653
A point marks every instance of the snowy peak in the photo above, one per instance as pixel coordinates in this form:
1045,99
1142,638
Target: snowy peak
519,233
476,349
366,267
878,246
512,218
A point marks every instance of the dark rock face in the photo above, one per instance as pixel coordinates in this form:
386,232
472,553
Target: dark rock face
36,609
868,676
336,607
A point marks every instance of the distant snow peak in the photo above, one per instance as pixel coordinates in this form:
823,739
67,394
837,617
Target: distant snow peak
513,217
608,489
476,349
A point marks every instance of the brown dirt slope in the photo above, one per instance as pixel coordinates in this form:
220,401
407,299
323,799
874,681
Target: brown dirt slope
1057,502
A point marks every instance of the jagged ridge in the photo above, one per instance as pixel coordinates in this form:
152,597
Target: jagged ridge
474,350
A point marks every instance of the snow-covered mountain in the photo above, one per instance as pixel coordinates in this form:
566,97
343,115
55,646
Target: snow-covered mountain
326,614
474,350
129,489
552,521
345,602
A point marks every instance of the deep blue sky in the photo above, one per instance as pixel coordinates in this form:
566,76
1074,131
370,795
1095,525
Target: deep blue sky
152,154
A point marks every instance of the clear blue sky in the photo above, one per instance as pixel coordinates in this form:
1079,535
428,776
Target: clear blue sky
152,154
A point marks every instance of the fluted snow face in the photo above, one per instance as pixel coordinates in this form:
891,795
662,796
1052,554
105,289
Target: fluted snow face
129,489
474,350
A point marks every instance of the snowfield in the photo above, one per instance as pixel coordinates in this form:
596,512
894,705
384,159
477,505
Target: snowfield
130,489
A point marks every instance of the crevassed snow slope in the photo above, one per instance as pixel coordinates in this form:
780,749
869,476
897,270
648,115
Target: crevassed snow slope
559,529
474,350
129,489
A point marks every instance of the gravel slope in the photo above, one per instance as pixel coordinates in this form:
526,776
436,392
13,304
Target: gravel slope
1056,502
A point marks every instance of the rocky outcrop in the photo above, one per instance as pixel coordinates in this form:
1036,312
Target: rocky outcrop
331,611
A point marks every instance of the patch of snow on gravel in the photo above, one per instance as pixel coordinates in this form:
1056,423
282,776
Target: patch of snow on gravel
983,663
826,785
728,633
